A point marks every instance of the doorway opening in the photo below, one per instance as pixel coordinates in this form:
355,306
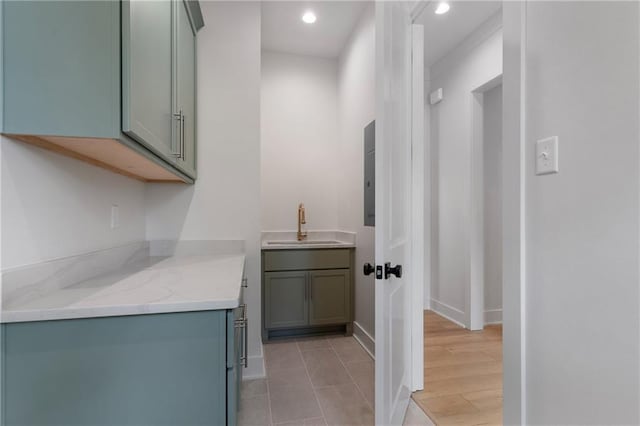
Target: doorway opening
463,292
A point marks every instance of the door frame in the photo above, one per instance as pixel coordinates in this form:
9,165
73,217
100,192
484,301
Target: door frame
474,291
418,219
513,210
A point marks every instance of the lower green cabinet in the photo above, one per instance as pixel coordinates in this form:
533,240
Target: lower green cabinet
158,369
307,291
285,299
329,297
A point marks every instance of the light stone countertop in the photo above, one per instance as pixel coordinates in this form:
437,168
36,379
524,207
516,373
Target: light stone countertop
154,285
286,240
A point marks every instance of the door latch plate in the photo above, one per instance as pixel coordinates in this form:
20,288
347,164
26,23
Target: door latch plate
378,272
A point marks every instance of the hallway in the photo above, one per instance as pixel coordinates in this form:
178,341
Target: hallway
463,373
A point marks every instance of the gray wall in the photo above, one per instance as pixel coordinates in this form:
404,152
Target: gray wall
492,144
472,64
299,144
356,97
582,225
54,206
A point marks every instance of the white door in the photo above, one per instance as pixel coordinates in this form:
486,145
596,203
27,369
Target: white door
393,211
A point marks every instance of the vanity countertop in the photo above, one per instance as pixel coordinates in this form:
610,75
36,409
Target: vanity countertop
154,285
287,240
295,245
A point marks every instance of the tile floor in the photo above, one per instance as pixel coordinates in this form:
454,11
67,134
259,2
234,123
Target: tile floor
315,381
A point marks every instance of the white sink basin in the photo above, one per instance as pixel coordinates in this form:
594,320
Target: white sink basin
302,243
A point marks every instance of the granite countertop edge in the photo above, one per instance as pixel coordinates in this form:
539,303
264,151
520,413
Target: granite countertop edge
167,285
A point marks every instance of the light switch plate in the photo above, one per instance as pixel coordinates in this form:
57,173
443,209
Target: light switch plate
547,156
436,96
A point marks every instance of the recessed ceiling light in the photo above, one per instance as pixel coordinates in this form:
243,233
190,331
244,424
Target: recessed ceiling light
443,7
309,17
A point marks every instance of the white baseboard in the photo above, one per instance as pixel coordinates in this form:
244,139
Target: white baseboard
255,368
493,316
449,312
365,339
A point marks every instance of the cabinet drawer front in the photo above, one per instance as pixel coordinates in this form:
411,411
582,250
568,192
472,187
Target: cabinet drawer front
295,260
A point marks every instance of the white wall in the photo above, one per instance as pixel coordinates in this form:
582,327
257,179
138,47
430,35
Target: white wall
475,62
492,200
54,206
582,237
356,110
299,141
225,201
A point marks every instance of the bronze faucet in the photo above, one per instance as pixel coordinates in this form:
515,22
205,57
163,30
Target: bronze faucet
301,221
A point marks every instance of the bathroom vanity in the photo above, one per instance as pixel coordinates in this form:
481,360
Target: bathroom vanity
307,287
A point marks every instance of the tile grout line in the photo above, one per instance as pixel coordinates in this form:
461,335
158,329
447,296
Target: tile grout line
268,393
266,369
315,394
351,377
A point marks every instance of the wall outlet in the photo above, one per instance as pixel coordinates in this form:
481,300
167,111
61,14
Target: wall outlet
115,216
547,156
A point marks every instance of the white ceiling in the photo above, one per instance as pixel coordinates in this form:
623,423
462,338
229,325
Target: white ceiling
444,32
284,31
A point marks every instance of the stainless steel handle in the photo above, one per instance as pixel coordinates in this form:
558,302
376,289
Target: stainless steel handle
246,340
244,323
178,116
182,144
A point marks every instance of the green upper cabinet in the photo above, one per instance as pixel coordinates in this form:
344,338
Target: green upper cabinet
147,74
61,68
185,88
111,83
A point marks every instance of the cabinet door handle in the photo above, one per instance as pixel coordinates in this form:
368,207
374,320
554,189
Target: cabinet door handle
245,347
178,117
182,143
242,324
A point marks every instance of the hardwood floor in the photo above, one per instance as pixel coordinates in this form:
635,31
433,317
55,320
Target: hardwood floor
463,373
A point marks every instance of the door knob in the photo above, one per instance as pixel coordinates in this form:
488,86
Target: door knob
368,269
388,270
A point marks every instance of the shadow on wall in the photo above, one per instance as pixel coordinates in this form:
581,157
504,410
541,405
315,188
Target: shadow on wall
170,210
54,206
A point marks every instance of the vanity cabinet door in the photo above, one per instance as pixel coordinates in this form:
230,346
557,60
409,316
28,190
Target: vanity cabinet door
147,74
285,299
330,297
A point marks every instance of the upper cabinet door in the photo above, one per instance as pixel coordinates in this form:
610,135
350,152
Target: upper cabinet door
185,105
147,74
60,68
